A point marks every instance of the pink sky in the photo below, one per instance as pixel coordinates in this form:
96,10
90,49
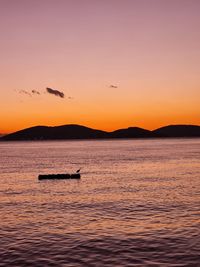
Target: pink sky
150,49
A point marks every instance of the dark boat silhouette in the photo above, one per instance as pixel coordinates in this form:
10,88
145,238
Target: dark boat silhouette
59,176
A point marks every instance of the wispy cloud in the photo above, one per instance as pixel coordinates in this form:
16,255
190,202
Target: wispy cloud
55,92
113,86
35,92
24,92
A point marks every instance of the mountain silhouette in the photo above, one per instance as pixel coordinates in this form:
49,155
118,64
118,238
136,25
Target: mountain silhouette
73,131
70,131
131,132
178,131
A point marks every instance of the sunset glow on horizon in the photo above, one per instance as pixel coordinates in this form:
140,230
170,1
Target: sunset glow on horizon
118,63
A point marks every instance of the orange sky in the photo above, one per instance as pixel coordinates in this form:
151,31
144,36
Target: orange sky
149,49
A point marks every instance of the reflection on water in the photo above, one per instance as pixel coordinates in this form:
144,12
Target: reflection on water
137,203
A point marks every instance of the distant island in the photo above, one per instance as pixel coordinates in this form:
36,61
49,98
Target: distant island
73,131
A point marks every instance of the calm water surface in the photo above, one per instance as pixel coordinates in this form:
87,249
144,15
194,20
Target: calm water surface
137,204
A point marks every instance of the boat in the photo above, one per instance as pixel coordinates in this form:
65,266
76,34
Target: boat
59,176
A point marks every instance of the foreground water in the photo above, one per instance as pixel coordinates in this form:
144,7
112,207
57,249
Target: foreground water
137,203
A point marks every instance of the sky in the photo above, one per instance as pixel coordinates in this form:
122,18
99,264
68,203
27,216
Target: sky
118,63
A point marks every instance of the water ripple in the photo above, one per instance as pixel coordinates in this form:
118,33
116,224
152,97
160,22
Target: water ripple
137,204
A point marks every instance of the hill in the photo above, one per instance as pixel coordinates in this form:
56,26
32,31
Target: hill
131,132
55,133
73,131
178,131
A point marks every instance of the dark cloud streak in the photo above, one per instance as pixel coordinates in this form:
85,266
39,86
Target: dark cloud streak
25,92
55,92
35,92
113,86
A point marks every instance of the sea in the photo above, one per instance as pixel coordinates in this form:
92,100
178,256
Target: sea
137,203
